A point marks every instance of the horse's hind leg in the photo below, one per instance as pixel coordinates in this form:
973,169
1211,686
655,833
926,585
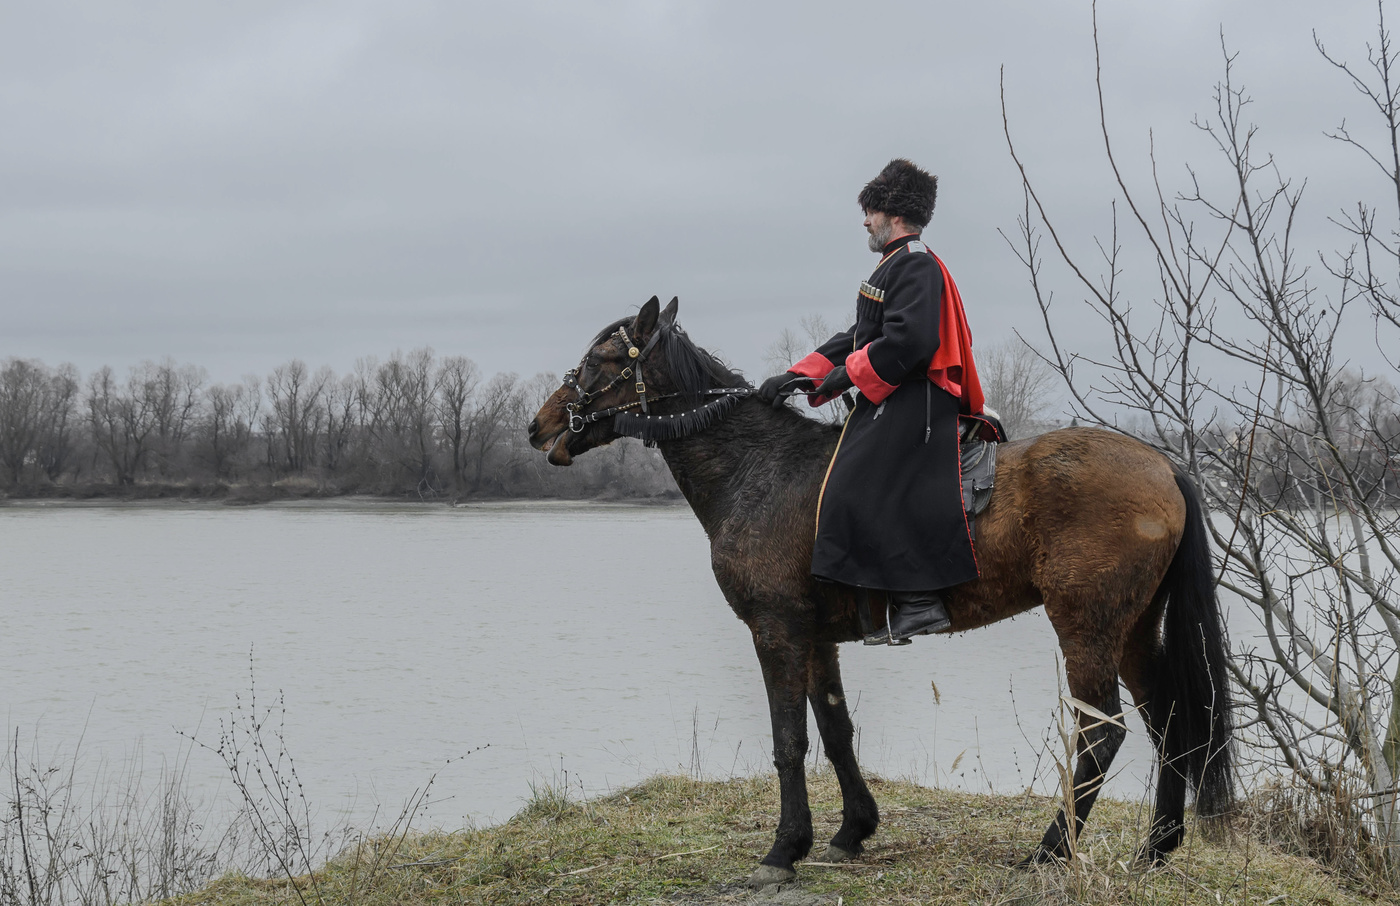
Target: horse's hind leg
1141,661
859,813
1098,742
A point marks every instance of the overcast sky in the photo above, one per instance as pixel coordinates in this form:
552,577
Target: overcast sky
237,184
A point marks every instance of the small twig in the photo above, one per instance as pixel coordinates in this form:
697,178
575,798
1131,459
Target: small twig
1187,878
851,865
690,852
428,864
883,863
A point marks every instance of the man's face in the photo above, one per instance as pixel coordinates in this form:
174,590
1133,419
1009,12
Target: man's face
881,229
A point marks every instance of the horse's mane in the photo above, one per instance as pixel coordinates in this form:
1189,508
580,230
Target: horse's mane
693,369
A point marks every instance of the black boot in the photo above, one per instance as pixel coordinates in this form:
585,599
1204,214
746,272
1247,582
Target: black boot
914,613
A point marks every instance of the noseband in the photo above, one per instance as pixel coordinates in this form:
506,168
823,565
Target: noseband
579,419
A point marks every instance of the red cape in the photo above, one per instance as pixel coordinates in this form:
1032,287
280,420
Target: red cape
952,367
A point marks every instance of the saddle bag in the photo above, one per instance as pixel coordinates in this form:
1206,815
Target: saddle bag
978,437
979,471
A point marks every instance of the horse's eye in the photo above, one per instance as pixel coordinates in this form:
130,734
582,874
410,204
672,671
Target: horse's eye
593,360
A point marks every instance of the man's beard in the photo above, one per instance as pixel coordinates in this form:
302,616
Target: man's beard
881,237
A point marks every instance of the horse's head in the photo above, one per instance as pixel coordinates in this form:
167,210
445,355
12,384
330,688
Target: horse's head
604,379
642,372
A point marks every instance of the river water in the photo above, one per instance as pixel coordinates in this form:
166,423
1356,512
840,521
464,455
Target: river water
583,644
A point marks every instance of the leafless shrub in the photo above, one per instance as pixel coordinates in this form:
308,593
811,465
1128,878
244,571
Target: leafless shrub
104,839
1325,826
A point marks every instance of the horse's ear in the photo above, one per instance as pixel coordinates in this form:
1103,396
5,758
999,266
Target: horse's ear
668,317
645,321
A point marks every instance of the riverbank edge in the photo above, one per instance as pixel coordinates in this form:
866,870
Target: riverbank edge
677,840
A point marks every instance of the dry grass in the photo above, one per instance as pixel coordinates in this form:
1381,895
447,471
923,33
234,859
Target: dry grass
677,840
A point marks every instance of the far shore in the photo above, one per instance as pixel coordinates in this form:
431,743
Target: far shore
343,502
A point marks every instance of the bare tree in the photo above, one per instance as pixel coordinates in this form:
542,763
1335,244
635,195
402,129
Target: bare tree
231,414
401,403
122,420
297,417
1294,463
57,444
343,421
175,393
495,413
457,380
792,346
23,400
784,351
1019,384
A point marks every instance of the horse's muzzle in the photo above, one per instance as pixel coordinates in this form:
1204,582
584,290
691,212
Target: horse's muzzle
559,454
556,443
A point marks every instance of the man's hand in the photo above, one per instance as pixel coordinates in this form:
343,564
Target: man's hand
837,382
773,389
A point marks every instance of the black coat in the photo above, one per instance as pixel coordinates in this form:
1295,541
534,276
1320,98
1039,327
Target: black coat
890,514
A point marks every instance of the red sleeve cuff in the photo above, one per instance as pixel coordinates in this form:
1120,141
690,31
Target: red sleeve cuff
815,366
863,375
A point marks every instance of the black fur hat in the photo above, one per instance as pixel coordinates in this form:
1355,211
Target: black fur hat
901,190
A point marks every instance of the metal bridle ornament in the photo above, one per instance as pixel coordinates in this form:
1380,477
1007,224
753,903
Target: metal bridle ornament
580,420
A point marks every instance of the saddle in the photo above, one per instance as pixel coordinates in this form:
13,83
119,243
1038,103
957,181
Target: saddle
978,436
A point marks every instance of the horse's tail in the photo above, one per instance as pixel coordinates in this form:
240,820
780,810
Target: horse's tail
1190,701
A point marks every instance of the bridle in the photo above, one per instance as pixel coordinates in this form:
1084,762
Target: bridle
580,420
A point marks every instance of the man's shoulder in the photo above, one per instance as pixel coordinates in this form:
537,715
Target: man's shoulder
911,263
913,254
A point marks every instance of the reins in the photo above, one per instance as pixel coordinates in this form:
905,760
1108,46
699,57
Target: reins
646,426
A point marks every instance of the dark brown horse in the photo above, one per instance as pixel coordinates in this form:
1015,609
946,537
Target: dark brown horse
1094,526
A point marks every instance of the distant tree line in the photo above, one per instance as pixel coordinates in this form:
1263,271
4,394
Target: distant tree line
416,426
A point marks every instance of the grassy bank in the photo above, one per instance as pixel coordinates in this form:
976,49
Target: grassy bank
676,840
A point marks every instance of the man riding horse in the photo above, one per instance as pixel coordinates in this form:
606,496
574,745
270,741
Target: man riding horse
1097,528
890,518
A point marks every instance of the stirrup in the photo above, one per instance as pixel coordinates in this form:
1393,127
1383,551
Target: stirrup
883,638
870,635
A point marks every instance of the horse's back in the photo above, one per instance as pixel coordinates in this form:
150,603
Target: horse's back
1089,480
1079,514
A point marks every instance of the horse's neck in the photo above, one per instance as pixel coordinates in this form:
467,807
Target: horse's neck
714,467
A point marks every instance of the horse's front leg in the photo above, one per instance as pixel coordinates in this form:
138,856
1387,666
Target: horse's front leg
859,814
783,648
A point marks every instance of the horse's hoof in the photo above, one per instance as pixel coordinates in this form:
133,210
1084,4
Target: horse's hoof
835,853
768,875
1041,856
1151,857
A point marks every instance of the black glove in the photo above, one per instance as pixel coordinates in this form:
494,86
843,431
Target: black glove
837,382
772,390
